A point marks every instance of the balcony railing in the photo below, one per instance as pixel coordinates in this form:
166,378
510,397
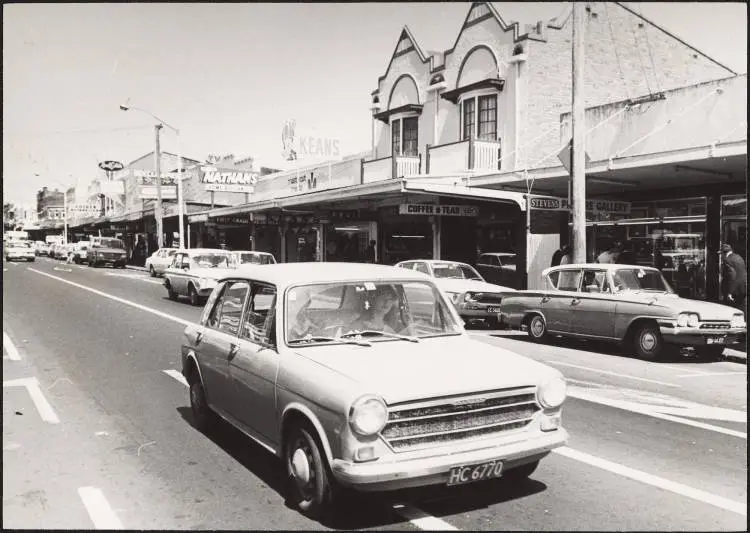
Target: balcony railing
463,156
389,167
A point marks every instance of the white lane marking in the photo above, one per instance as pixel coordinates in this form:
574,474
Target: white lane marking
59,269
607,372
10,348
99,510
655,481
421,519
5,270
117,299
135,276
644,410
176,375
40,402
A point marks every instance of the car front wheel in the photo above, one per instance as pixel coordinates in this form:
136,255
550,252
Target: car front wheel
170,293
152,271
309,483
537,328
193,296
647,342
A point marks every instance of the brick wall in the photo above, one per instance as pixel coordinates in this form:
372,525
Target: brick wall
548,70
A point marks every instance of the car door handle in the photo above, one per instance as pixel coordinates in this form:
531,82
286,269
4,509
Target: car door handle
233,349
575,301
198,338
545,299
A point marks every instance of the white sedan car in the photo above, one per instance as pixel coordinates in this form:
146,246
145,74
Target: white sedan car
244,257
19,250
474,298
158,261
193,273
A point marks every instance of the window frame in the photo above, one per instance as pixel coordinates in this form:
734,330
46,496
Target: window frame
595,271
270,321
400,119
579,271
227,284
474,97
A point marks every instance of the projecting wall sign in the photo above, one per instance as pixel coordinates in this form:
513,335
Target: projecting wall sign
439,210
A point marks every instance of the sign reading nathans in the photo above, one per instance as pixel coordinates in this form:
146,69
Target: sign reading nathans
439,210
214,179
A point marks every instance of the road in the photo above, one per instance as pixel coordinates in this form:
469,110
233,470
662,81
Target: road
97,431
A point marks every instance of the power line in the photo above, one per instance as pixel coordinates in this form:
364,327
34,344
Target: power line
617,55
640,58
650,55
69,132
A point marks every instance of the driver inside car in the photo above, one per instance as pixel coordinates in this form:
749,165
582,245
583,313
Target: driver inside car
380,312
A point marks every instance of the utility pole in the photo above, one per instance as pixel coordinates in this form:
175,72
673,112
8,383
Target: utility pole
579,129
157,210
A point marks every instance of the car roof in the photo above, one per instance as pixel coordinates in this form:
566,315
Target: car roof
599,266
285,274
198,251
434,261
501,254
250,252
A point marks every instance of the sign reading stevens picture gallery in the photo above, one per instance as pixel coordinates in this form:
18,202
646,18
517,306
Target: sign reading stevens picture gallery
439,210
215,179
550,203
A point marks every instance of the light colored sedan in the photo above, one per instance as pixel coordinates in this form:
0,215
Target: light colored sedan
193,273
19,250
158,261
475,299
631,305
244,257
362,377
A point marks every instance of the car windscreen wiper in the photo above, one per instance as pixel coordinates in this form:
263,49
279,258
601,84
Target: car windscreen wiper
329,339
383,333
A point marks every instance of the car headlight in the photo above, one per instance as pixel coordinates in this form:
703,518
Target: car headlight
688,319
453,296
368,415
207,282
469,297
551,394
738,321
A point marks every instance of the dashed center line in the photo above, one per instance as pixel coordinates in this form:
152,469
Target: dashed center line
176,375
40,402
99,510
421,519
609,373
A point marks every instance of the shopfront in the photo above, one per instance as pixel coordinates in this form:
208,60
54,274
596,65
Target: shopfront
348,234
406,232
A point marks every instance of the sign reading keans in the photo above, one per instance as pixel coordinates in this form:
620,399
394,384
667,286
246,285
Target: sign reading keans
550,203
214,179
439,210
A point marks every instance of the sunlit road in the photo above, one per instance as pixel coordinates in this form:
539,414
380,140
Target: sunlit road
97,431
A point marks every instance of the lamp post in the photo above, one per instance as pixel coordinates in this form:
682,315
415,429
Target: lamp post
180,209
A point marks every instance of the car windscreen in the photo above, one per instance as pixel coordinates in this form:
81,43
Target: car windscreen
455,271
212,260
343,312
639,279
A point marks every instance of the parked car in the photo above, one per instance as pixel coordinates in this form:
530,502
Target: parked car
80,251
361,376
499,267
41,248
107,251
243,257
14,249
475,299
194,272
631,305
158,261
59,251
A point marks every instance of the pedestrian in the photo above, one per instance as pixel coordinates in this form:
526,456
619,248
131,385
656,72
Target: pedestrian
734,278
567,255
371,253
626,256
559,254
609,256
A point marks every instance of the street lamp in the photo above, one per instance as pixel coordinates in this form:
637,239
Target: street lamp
180,213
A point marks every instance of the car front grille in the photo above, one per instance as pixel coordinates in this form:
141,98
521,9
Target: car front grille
421,425
488,298
715,325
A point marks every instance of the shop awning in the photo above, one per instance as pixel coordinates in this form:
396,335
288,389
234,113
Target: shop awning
462,191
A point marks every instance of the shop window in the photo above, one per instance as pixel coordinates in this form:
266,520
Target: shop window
734,223
396,137
467,107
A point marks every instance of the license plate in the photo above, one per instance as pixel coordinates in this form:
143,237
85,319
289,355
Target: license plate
716,340
493,309
460,475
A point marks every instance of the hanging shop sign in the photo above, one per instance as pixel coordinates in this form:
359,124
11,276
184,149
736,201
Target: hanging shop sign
111,166
90,208
240,221
201,217
263,219
215,179
551,203
439,210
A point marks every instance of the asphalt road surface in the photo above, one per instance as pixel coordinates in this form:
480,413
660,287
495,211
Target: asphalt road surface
97,431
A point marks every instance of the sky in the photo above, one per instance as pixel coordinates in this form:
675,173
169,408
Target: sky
229,75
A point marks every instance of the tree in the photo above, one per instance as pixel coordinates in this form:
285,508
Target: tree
9,215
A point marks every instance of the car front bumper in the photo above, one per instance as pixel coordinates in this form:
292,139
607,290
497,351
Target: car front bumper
435,469
703,337
28,257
